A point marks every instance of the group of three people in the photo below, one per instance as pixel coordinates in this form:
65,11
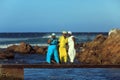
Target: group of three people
58,48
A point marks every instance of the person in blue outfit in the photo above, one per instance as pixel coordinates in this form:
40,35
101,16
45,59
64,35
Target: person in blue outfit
52,49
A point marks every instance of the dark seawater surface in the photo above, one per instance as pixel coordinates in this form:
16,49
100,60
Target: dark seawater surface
72,74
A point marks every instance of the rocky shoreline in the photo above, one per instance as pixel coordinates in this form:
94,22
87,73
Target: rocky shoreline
23,48
102,50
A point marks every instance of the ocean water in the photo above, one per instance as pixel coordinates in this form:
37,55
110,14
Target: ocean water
72,74
40,39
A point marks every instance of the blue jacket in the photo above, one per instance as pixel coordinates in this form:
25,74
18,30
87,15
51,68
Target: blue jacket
54,41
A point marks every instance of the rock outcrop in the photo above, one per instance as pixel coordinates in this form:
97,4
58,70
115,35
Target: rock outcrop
102,50
26,49
23,48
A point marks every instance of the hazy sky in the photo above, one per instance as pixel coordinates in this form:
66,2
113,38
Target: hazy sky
58,15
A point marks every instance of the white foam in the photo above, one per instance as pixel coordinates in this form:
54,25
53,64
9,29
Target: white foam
8,45
12,39
39,44
49,36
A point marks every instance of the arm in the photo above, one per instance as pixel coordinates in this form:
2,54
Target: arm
73,38
49,41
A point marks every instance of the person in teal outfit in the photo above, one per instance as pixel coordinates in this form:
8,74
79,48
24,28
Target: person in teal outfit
52,49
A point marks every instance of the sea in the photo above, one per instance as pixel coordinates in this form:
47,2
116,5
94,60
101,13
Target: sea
40,39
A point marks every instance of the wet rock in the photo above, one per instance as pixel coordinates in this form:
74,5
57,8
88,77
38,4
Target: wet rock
102,50
11,48
40,50
6,55
23,48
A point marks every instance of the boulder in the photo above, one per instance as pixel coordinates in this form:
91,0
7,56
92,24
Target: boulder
113,32
27,49
102,50
11,48
23,48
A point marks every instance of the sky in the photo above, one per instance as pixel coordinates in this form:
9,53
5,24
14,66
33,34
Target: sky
59,15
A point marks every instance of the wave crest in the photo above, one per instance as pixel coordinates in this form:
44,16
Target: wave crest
8,45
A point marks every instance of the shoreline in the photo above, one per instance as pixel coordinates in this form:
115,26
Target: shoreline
102,49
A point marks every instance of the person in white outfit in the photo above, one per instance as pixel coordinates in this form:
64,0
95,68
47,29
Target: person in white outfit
71,45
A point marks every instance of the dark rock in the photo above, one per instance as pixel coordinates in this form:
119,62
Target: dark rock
23,48
6,55
11,48
40,50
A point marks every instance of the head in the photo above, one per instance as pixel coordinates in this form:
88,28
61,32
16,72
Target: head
53,35
64,33
69,33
